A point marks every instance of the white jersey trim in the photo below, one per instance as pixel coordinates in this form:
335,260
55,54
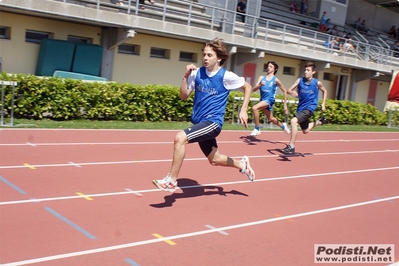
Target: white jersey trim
231,80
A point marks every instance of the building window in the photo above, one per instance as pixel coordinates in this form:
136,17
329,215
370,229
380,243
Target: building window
129,49
342,1
160,53
36,36
288,71
4,32
188,57
328,76
78,39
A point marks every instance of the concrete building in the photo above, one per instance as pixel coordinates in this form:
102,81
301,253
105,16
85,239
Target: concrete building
153,45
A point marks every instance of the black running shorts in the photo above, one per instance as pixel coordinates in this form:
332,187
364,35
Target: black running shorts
303,118
205,134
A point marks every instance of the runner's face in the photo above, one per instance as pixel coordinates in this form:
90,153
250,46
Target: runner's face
210,58
309,72
270,68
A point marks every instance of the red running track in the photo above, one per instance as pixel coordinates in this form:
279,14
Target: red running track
85,197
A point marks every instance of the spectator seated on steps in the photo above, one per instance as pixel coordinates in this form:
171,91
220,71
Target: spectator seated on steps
392,32
294,7
333,31
347,46
357,23
334,44
363,28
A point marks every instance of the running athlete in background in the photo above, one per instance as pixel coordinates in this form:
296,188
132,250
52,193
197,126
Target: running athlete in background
308,90
268,87
212,84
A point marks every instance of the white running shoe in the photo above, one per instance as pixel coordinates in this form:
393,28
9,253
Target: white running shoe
166,184
286,129
246,169
255,132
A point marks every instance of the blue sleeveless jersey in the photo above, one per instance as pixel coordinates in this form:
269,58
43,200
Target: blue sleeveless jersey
210,97
308,94
268,91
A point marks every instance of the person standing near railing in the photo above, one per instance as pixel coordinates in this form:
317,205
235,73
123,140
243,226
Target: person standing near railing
241,8
304,7
323,21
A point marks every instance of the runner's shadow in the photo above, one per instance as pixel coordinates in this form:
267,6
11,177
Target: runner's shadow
190,189
253,140
286,157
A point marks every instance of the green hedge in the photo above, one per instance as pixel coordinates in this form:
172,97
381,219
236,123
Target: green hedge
67,99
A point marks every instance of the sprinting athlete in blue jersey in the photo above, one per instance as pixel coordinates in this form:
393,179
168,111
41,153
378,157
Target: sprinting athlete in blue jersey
212,85
268,87
308,90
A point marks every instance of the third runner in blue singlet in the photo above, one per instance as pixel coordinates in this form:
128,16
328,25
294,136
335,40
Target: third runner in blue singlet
308,93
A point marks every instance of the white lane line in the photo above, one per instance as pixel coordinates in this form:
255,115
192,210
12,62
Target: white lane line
75,164
134,192
192,159
29,144
219,231
202,185
195,233
170,142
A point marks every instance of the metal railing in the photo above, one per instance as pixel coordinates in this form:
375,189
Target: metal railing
221,19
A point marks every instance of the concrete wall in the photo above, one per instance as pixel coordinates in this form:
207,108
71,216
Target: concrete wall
287,80
19,56
362,91
382,95
143,69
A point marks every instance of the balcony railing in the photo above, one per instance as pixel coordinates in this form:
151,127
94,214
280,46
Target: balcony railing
221,19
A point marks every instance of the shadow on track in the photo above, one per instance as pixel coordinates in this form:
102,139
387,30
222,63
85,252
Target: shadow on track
286,157
190,189
253,140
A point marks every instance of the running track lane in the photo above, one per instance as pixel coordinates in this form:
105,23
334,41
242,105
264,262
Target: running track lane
295,203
